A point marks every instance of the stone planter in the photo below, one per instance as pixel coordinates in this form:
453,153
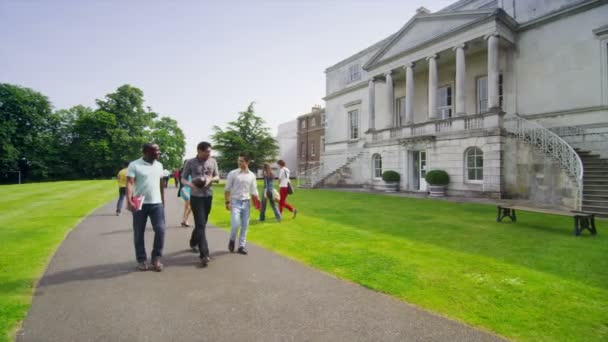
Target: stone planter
391,186
437,190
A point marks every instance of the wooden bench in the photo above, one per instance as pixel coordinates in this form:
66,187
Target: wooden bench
582,220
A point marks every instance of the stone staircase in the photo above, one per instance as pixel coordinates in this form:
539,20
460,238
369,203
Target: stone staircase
595,183
315,178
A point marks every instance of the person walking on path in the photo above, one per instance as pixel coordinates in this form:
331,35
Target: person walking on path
184,193
145,184
204,171
121,177
284,189
268,195
240,188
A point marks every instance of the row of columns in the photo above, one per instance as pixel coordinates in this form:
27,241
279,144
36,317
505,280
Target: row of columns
461,76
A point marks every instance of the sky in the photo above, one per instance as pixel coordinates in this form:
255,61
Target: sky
197,61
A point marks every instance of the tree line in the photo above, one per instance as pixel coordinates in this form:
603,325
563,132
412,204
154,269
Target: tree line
80,142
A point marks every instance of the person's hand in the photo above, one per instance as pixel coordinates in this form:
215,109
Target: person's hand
130,204
228,206
208,182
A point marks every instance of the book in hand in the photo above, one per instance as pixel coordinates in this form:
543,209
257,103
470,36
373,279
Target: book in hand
256,203
138,202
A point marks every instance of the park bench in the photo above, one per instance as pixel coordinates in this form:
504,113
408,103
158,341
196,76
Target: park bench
582,220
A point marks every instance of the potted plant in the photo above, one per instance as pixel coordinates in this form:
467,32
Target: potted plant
438,181
391,180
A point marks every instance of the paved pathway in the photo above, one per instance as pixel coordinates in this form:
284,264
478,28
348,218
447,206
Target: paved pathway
91,292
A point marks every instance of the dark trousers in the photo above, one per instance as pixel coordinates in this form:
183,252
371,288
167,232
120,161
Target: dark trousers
122,192
156,212
201,207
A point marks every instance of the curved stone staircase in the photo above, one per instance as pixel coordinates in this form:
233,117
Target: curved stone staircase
595,183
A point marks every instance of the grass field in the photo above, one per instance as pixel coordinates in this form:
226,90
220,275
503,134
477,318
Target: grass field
34,219
529,281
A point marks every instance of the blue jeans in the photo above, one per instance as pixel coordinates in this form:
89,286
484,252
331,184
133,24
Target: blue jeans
156,212
121,199
239,216
270,199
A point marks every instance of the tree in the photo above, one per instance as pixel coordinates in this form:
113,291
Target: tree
24,121
247,134
167,134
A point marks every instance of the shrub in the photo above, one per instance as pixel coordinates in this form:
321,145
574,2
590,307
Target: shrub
390,176
437,177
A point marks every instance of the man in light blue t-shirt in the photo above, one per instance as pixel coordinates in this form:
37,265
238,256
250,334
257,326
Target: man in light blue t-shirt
145,178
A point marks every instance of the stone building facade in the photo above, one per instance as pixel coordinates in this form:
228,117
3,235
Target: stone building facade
483,90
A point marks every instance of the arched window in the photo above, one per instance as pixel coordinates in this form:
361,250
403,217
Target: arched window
377,165
473,164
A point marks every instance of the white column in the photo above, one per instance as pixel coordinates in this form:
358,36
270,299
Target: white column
461,75
409,93
391,97
432,86
493,71
372,103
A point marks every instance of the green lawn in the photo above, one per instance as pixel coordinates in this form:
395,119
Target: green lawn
527,281
34,219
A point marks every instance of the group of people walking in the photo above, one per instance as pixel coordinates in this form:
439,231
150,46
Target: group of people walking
142,181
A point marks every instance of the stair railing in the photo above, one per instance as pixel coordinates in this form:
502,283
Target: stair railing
552,146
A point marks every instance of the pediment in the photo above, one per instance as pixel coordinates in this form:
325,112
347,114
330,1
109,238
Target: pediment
425,27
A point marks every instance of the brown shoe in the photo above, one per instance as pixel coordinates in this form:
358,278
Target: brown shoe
157,265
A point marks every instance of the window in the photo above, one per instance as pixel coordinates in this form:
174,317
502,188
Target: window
303,150
354,73
313,151
322,144
323,120
377,165
303,124
313,122
444,102
482,93
400,105
474,164
353,120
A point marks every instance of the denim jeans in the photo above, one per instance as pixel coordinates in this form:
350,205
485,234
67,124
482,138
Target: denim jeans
239,216
122,192
156,212
273,205
201,207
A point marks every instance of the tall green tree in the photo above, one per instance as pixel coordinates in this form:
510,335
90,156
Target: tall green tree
248,134
133,122
167,134
24,122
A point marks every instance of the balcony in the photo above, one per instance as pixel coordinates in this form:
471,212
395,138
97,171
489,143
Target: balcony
485,121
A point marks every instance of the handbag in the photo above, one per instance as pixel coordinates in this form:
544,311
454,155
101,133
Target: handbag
289,188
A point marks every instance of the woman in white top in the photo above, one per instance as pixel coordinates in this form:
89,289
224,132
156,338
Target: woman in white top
283,189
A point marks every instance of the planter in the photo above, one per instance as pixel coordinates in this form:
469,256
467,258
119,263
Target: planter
437,190
391,186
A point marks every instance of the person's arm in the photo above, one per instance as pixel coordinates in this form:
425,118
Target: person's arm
185,173
162,191
228,188
130,185
253,188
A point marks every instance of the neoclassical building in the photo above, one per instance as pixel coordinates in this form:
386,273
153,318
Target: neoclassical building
509,97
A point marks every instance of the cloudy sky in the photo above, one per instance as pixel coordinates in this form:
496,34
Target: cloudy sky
199,62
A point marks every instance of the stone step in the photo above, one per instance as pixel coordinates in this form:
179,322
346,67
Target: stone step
593,192
595,177
599,203
603,211
595,198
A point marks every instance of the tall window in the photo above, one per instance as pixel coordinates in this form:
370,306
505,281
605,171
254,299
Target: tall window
323,120
354,73
313,122
303,124
400,105
377,165
482,93
474,164
353,120
444,102
313,151
303,150
322,144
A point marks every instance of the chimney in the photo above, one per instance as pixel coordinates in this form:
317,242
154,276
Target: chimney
422,10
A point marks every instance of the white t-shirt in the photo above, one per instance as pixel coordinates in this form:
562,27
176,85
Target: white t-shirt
283,177
241,185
